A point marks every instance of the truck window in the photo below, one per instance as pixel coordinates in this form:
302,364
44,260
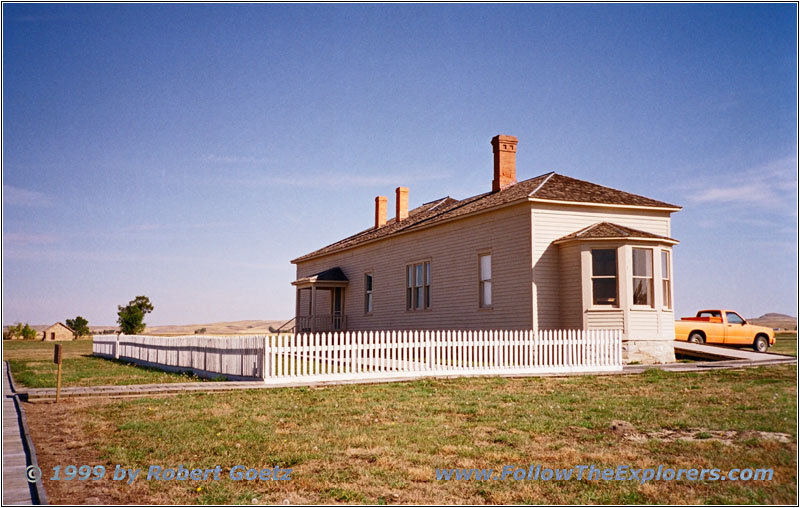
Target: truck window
734,318
709,313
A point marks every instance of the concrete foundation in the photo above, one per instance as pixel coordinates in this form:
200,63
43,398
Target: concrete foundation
648,351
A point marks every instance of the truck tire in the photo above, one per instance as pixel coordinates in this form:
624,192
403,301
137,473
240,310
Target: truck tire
696,338
760,344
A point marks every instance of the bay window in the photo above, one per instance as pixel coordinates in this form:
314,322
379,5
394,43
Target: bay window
604,277
643,277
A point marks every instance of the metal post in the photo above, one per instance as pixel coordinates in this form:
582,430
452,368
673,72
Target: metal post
57,358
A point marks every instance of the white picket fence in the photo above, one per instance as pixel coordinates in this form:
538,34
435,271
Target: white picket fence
374,355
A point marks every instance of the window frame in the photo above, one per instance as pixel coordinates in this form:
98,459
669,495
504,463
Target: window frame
416,288
369,298
592,278
666,282
728,319
482,282
650,280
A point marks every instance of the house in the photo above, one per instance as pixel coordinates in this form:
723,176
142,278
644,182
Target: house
58,331
549,252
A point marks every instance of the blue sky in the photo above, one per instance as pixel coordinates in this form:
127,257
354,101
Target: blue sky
188,152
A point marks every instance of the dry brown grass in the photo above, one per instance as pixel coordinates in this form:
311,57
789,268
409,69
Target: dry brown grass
382,443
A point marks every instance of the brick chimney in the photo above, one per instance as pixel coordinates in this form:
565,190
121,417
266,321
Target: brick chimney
401,203
380,211
505,161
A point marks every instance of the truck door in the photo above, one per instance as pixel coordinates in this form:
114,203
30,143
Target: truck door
736,330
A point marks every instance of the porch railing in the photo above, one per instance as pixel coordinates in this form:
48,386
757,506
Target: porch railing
321,323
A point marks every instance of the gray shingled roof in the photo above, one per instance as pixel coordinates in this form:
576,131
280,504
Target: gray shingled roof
547,187
334,274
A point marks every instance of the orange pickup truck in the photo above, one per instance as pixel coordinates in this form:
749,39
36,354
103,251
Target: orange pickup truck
723,327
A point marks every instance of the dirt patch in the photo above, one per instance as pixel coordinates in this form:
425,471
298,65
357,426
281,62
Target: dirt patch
629,432
60,438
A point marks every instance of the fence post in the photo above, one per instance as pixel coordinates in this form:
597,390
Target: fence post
116,347
428,351
268,367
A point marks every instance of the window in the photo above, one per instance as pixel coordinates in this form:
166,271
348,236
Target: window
643,277
666,294
485,262
709,313
368,293
418,286
734,318
604,277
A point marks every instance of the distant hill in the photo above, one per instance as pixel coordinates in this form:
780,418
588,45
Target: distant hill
255,327
775,320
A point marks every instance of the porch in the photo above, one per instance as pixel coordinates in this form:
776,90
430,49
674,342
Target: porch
320,302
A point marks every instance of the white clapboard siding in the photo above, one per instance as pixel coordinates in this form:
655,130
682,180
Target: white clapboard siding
374,355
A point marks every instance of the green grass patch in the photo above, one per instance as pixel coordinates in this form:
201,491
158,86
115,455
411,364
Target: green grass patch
785,343
381,443
32,366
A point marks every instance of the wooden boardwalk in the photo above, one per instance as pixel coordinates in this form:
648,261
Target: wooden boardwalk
16,456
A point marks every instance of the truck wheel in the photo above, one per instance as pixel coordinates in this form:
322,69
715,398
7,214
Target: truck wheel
696,338
761,345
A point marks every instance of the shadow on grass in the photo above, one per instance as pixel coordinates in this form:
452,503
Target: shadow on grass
87,370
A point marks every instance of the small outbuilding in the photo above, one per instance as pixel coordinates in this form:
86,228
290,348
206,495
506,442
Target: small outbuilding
58,331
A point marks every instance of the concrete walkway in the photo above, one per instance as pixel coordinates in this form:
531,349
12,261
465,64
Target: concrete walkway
731,353
16,453
751,359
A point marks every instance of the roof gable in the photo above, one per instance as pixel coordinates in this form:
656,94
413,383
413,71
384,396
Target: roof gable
547,187
57,324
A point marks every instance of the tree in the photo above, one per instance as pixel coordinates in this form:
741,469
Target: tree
28,333
20,332
13,332
200,331
131,316
80,327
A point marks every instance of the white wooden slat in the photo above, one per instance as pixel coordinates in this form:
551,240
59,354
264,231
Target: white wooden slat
354,355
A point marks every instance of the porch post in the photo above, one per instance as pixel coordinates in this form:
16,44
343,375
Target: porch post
313,308
296,308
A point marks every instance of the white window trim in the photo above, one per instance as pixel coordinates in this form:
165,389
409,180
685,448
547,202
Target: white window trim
603,306
652,278
664,305
481,306
370,292
426,284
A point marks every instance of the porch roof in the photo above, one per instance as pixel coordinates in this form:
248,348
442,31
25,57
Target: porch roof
330,277
610,231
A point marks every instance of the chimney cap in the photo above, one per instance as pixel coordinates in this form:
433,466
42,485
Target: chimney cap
503,138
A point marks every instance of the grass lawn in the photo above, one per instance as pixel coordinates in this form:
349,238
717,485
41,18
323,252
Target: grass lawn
32,366
381,443
785,343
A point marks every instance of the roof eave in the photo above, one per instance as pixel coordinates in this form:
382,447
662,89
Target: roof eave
608,205
670,241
